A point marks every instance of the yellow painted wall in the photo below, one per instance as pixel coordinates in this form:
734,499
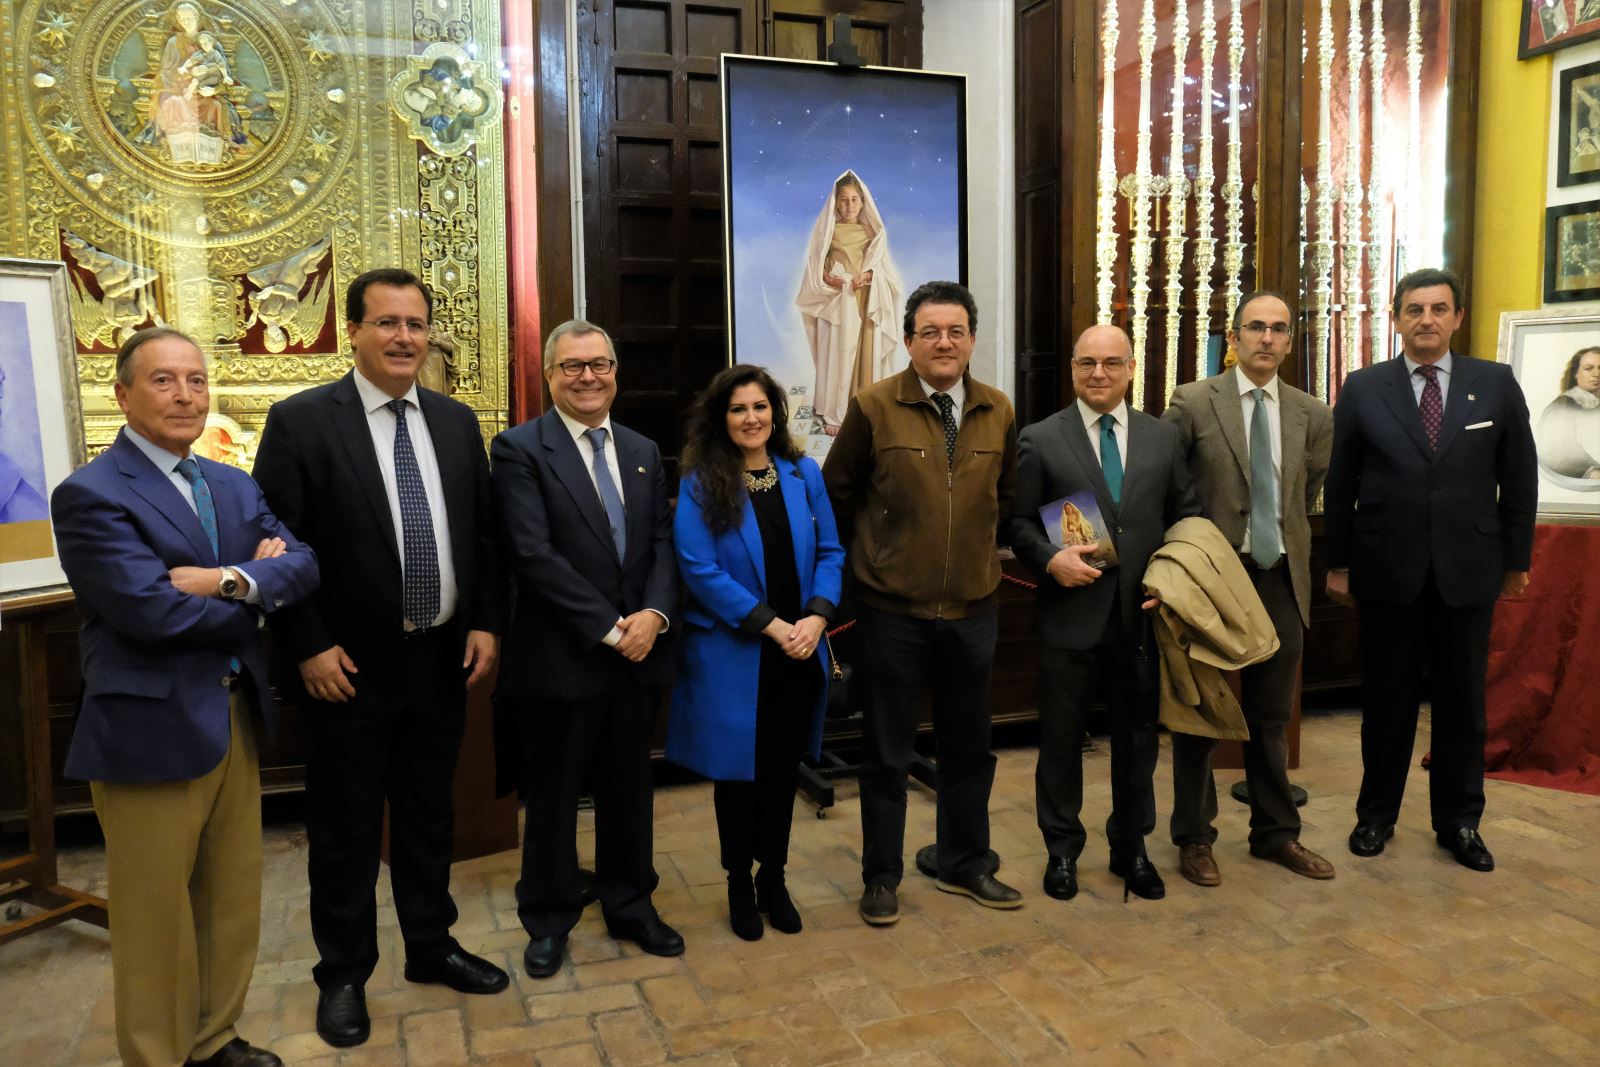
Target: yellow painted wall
1513,132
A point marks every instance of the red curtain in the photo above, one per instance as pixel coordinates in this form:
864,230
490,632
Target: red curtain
1544,668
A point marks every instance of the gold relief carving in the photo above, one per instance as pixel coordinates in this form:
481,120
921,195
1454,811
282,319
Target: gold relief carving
446,99
228,166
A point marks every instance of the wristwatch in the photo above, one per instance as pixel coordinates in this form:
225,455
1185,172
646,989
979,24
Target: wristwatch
230,587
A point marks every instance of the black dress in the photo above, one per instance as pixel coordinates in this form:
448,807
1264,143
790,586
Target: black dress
753,817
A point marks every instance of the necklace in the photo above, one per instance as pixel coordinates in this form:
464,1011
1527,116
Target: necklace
760,483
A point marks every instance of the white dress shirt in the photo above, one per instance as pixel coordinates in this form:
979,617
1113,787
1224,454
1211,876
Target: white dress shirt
1091,426
381,424
167,463
1247,407
586,450
1418,381
957,392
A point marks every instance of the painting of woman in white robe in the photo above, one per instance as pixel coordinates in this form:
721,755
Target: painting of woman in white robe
849,299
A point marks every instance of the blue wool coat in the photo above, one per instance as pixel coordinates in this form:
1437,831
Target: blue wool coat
712,729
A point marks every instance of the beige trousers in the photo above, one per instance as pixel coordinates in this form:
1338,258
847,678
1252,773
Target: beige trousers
183,863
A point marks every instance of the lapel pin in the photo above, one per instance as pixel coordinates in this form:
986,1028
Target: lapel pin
641,469
1472,396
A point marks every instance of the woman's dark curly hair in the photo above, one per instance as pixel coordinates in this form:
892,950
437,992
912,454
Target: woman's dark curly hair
710,454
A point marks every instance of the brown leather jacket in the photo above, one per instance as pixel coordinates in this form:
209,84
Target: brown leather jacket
921,532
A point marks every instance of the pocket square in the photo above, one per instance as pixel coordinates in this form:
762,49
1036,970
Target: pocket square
1480,425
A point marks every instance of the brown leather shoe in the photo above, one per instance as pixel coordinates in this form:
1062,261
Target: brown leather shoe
1196,863
1301,860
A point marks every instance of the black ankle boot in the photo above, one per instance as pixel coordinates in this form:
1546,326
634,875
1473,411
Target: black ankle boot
772,897
742,913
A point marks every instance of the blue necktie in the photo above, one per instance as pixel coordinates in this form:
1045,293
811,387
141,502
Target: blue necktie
1110,458
206,510
1264,547
609,496
420,594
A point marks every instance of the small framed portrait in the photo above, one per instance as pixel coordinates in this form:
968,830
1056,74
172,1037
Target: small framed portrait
1572,252
1555,355
1578,137
41,426
1551,24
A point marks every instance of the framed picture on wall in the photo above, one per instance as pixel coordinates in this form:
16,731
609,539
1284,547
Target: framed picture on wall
41,426
1551,24
1555,355
844,190
1572,252
1578,134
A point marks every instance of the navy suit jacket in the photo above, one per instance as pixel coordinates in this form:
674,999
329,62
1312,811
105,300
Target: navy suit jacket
570,585
1055,459
1396,508
155,659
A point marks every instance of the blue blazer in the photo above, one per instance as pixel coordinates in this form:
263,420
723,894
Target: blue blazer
712,728
155,702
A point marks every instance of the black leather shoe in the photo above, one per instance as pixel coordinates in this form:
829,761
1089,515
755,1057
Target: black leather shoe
1139,876
1367,838
1061,878
240,1053
743,915
652,935
985,890
543,956
461,971
588,891
772,898
928,860
342,1015
1468,849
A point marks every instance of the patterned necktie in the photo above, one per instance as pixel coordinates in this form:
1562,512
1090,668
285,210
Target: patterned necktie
947,412
1110,457
206,510
1264,546
420,579
615,516
1431,405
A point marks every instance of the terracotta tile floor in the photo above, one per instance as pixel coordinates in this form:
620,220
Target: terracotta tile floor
1403,958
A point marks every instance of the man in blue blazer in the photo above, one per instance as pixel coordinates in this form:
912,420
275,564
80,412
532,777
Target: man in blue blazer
1430,502
589,541
173,559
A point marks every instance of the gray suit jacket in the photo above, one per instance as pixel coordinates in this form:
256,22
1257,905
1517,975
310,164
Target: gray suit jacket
1208,415
1055,459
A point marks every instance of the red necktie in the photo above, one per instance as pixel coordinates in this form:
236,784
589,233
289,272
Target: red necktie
1431,405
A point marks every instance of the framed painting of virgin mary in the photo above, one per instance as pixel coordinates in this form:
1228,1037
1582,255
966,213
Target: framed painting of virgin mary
845,189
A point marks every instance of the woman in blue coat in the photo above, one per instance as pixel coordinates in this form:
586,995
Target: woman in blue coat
761,558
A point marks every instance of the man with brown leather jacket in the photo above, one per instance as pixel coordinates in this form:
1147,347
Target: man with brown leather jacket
922,471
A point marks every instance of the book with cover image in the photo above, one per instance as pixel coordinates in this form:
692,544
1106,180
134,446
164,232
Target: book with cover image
1075,520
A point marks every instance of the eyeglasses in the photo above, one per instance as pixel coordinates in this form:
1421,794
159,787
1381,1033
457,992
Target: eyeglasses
574,368
1087,366
391,325
930,336
1277,329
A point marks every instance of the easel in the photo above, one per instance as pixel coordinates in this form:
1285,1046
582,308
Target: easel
32,877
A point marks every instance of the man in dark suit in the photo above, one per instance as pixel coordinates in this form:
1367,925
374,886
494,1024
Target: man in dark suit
589,535
1430,499
390,484
174,674
1093,634
1258,450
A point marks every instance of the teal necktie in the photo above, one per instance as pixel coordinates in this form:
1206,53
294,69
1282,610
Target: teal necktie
1110,457
205,510
1264,546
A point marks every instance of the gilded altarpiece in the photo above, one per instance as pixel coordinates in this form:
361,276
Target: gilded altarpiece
228,166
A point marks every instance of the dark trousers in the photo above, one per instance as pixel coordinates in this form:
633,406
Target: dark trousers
602,743
753,818
1069,681
1267,690
397,740
913,659
1397,642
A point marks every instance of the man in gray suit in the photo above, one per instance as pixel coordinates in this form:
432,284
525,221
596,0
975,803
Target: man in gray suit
1092,631
1258,449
